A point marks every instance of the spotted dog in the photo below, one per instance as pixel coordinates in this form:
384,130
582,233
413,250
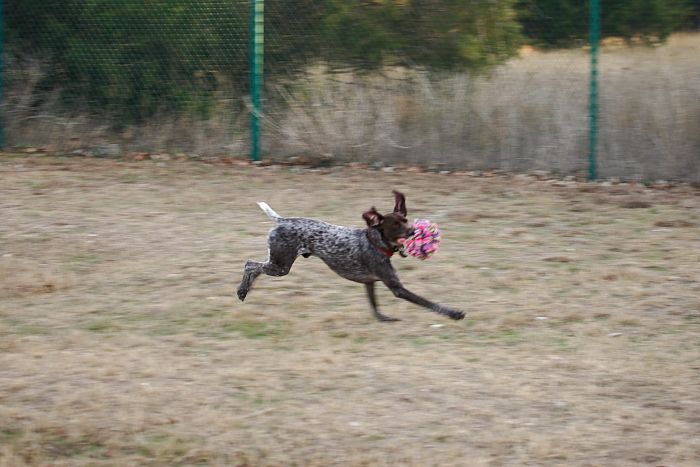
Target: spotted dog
359,255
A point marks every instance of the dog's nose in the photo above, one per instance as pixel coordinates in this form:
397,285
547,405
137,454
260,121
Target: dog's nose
411,231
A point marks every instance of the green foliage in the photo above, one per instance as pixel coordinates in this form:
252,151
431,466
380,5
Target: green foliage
554,22
693,19
292,29
650,20
560,23
133,58
439,35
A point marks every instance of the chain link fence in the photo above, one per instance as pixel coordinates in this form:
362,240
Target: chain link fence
449,85
146,76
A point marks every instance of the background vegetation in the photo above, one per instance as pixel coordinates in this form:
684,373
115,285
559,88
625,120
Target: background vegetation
134,59
454,84
563,23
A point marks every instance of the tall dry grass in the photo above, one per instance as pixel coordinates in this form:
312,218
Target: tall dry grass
530,113
42,120
650,110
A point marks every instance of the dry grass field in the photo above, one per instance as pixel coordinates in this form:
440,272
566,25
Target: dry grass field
121,341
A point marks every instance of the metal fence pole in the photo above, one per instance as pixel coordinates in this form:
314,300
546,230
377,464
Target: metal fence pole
2,70
257,41
593,92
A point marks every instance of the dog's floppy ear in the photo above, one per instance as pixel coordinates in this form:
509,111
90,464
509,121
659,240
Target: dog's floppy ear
400,206
372,217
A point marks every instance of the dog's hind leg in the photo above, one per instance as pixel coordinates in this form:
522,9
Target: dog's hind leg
278,264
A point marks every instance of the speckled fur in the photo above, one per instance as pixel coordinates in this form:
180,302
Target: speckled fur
347,251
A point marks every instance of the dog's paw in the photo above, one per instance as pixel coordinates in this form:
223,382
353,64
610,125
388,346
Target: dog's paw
456,315
450,313
242,293
385,318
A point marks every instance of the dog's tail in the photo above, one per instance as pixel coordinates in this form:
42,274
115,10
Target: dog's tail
268,210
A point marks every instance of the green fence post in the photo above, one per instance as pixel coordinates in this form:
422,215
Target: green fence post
593,92
2,71
257,42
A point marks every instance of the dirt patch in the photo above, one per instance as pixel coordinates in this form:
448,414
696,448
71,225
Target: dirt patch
121,341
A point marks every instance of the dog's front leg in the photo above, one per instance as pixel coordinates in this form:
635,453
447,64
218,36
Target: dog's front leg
402,292
373,304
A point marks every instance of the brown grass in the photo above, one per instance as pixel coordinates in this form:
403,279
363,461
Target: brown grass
121,342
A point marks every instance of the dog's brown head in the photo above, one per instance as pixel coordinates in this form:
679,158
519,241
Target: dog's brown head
394,227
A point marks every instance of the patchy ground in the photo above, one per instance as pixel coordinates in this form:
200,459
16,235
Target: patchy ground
121,342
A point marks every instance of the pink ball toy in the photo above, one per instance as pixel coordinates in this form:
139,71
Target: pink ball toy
425,240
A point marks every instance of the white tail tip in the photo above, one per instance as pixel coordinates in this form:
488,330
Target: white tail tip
268,210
